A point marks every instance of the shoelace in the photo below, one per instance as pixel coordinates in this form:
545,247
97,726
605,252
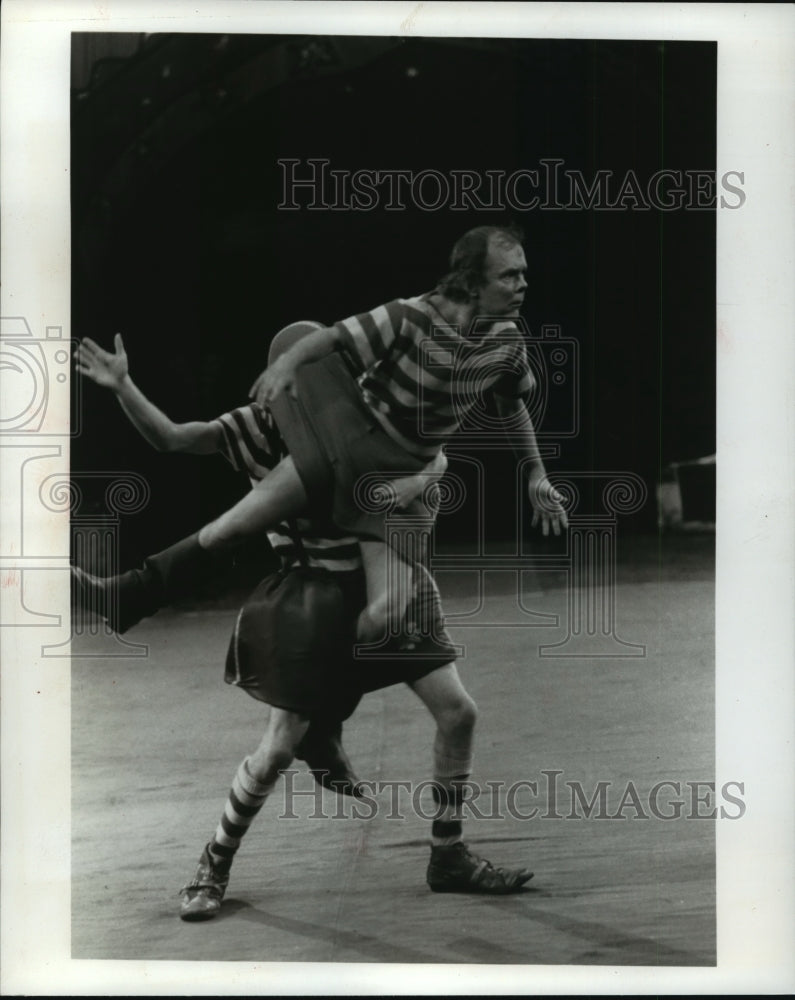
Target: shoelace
484,867
209,879
199,884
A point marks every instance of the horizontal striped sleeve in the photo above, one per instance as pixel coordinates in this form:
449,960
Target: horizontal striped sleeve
269,431
382,325
367,337
230,449
252,442
355,343
254,438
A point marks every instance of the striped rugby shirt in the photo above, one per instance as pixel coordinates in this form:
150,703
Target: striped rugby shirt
422,377
253,445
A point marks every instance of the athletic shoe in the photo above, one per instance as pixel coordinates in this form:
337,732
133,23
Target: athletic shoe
455,869
202,897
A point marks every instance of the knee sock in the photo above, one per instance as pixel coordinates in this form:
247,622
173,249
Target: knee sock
451,765
246,798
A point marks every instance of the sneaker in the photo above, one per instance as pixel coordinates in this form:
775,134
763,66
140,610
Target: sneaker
202,897
456,869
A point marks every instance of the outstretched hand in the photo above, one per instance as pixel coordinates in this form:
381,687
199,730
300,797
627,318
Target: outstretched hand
547,504
106,369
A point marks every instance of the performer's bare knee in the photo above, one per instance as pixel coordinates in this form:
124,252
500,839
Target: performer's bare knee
457,719
276,752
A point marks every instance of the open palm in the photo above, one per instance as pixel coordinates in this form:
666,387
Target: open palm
101,366
547,504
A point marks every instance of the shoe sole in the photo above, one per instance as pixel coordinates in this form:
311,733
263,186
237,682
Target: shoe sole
471,889
199,915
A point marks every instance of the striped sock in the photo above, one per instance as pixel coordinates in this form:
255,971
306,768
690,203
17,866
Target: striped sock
451,766
246,798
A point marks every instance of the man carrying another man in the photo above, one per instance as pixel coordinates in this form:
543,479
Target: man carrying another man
292,649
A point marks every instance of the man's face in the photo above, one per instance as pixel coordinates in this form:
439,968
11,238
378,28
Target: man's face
504,284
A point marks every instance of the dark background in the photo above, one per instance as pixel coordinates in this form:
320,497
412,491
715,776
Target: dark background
178,242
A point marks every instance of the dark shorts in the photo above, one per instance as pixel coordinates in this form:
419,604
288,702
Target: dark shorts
341,453
293,642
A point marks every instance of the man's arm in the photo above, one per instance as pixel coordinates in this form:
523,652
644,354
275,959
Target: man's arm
544,498
112,372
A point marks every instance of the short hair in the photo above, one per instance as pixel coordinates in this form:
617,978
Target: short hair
468,259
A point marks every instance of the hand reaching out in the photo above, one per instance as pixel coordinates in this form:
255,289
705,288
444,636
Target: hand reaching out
547,504
106,369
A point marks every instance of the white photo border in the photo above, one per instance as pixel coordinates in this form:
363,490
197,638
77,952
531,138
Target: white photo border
755,516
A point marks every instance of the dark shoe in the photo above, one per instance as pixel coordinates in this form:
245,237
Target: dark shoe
328,763
121,600
456,869
177,572
201,899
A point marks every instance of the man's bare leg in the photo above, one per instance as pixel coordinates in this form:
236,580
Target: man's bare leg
280,495
455,714
390,586
276,750
390,579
